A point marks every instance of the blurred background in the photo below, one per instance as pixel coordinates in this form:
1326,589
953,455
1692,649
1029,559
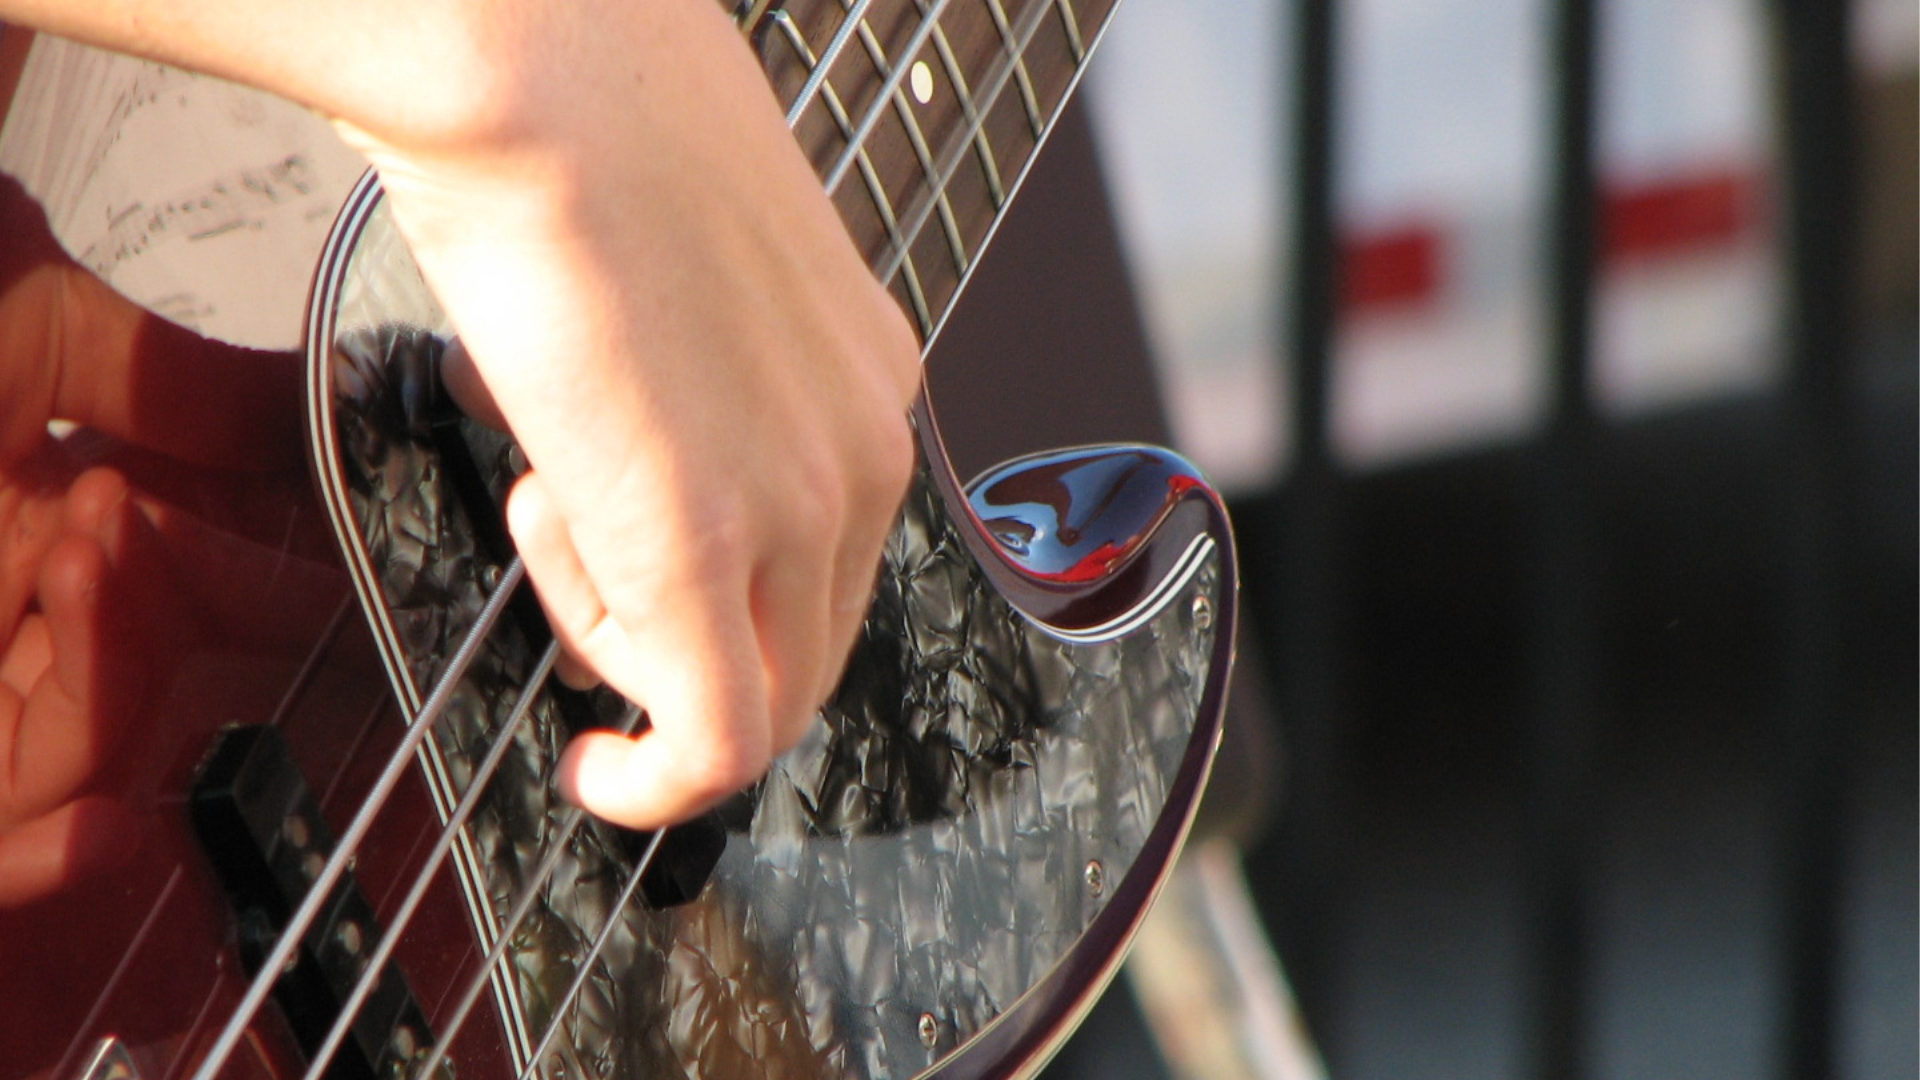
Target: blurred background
1558,359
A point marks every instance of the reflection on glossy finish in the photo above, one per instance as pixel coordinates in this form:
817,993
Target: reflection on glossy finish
1080,515
164,572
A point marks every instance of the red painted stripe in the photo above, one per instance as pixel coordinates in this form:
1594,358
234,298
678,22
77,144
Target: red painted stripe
1392,268
1702,210
1406,265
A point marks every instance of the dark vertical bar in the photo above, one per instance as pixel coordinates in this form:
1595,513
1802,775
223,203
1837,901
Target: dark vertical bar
1816,116
1295,584
1563,591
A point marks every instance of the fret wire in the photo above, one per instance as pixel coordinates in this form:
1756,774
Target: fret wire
320,890
1020,77
1073,31
989,165
917,140
887,89
902,258
1030,25
876,192
396,924
818,70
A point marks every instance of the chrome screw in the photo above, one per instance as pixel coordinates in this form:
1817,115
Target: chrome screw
1202,612
929,1030
1096,877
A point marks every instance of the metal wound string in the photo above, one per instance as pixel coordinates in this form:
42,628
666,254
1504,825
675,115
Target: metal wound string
593,953
522,906
957,148
955,151
397,924
323,884
817,78
891,86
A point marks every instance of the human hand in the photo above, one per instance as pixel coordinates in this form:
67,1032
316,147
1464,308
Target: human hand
709,385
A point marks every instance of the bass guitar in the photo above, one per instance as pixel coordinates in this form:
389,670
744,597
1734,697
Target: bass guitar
334,849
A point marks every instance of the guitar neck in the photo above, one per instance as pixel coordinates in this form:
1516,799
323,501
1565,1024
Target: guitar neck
921,116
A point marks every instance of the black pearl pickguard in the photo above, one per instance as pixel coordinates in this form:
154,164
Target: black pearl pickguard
937,879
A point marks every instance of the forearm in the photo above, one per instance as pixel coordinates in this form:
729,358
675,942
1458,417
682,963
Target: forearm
420,73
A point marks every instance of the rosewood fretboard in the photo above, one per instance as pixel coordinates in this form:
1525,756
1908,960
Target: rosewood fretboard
921,116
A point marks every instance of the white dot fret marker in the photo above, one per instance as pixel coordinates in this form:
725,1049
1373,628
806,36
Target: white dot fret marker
921,78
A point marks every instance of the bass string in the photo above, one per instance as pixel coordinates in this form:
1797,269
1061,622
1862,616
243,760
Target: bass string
956,151
817,78
856,142
522,906
585,967
321,889
397,924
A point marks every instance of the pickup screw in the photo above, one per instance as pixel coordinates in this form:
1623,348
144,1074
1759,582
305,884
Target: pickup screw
1096,877
1202,612
350,937
929,1030
404,1042
490,577
296,831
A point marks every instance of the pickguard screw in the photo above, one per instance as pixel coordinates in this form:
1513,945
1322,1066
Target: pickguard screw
1096,877
1202,612
929,1030
490,577
517,460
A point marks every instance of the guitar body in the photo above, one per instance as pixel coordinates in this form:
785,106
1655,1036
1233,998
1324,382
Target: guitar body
336,834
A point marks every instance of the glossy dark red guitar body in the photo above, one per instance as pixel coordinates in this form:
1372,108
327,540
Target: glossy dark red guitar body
139,957
937,882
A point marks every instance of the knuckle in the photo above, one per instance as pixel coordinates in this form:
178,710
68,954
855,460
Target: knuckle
887,464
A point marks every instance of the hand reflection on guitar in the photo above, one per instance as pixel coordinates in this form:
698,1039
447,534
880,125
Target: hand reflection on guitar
172,519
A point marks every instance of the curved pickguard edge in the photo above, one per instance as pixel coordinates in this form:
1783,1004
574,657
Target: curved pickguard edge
1190,533
1020,1042
326,457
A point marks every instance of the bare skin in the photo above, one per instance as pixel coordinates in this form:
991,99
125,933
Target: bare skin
709,384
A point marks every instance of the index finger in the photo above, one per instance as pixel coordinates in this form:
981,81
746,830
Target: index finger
691,659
